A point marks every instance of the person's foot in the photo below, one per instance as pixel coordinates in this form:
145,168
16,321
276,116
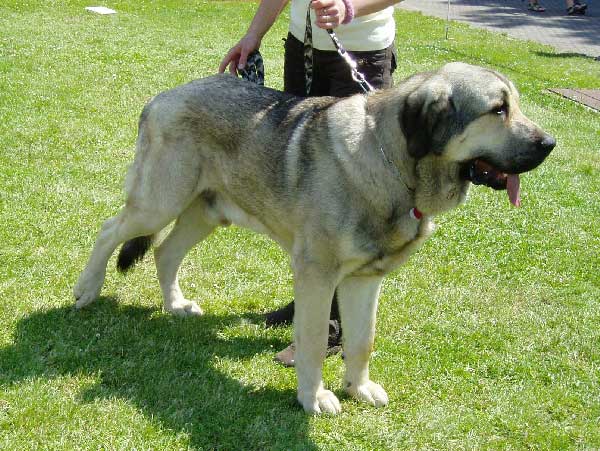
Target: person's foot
578,9
536,7
286,356
334,346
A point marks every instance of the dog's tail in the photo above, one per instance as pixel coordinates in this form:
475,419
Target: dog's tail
133,251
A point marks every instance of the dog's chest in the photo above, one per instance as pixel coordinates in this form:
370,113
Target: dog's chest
392,248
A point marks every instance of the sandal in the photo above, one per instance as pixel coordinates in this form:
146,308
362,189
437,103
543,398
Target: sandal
536,7
580,7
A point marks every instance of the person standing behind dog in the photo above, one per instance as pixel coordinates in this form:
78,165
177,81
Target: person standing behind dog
366,29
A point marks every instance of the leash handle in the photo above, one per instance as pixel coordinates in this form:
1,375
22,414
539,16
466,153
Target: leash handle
254,71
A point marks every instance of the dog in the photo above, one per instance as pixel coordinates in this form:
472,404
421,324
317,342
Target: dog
348,187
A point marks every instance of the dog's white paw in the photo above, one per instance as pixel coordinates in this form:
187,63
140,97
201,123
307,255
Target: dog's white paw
369,392
87,289
184,308
323,401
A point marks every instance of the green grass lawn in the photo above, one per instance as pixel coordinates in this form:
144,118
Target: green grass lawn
488,339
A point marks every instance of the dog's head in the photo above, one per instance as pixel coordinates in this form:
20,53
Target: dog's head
470,115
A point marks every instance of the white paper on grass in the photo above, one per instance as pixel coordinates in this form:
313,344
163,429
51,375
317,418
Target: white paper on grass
100,10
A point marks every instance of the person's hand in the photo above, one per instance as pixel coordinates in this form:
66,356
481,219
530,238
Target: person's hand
238,55
329,13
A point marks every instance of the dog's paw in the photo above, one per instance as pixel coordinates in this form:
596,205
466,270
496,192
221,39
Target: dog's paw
184,308
323,401
369,392
87,290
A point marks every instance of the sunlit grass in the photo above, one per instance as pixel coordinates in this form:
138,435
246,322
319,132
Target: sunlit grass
489,337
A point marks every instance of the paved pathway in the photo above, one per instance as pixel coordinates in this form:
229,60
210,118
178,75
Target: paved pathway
567,34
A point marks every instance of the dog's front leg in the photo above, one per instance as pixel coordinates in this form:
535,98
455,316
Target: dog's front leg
357,298
313,289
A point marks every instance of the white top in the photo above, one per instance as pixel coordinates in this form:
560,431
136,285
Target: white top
372,32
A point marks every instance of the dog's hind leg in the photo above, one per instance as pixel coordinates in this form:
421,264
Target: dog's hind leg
160,185
357,298
191,227
131,222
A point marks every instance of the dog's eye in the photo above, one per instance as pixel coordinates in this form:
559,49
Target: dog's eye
500,110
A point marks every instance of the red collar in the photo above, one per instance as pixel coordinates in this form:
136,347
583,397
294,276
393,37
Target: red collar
415,213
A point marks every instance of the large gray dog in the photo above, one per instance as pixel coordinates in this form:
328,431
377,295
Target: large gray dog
347,186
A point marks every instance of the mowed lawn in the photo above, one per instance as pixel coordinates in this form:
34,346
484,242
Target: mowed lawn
489,338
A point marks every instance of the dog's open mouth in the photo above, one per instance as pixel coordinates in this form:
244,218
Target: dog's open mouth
480,172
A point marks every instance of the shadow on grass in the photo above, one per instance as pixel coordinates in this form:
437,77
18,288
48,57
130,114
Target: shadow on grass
167,367
562,55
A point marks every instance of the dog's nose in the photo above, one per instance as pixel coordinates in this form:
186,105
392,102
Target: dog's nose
546,144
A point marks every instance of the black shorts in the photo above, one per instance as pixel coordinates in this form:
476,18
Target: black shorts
331,74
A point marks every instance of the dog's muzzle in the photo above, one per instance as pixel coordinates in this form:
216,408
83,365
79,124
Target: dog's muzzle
481,172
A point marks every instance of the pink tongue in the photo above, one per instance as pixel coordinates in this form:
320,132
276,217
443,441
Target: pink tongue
513,187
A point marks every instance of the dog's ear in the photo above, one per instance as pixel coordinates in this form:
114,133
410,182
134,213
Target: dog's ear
429,118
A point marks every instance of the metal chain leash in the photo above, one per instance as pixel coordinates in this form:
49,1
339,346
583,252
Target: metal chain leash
356,75
308,58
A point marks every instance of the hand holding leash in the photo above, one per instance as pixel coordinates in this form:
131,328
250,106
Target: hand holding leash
265,16
237,57
332,13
